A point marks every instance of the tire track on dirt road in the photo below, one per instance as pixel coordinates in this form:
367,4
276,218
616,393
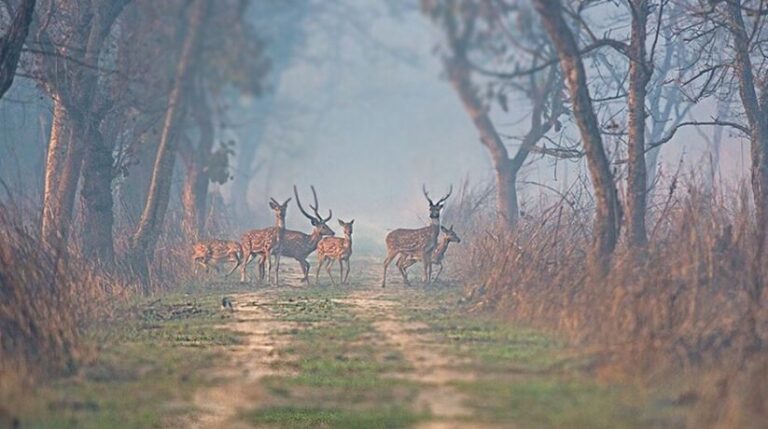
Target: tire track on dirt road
434,367
237,385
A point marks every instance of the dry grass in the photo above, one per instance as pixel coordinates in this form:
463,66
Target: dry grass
46,300
683,305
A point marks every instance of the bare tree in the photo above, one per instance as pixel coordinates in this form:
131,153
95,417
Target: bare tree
480,27
608,213
68,69
143,241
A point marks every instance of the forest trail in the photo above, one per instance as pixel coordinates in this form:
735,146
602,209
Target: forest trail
268,321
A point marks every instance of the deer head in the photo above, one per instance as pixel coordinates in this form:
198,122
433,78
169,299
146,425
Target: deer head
347,227
435,208
279,209
318,222
450,235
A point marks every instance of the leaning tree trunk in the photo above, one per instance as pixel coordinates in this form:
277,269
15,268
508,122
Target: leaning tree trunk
608,215
12,42
506,177
62,174
144,240
639,75
54,167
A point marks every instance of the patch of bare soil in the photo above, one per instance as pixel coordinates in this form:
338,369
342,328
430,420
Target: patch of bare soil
238,386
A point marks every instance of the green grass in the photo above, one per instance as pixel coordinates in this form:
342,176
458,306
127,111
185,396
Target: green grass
532,380
332,418
151,359
547,402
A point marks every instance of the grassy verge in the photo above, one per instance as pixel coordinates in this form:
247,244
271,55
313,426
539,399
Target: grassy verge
150,359
532,380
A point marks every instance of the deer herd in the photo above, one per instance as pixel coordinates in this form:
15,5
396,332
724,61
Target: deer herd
410,246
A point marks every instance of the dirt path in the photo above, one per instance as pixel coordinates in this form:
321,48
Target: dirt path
245,365
433,365
238,386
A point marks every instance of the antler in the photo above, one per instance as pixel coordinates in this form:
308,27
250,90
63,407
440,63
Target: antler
426,194
442,200
319,217
298,202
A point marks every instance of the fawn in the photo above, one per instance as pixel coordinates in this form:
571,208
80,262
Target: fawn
335,249
405,261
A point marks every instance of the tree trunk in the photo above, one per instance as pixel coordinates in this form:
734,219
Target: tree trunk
12,42
608,215
96,194
55,160
506,177
639,75
143,242
755,110
195,190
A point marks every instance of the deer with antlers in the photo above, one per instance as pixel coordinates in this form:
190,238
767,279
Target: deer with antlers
405,261
266,242
335,249
213,252
298,245
421,241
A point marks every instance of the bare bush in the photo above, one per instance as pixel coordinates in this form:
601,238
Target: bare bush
46,301
685,302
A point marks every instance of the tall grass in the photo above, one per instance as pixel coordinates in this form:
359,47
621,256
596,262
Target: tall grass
682,305
46,300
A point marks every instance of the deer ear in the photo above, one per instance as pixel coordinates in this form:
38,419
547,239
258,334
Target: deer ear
272,205
443,228
341,222
352,221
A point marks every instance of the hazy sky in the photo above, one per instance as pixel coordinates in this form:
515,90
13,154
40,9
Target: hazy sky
388,127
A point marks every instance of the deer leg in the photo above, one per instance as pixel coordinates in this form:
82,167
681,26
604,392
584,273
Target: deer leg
401,266
304,269
328,268
440,270
320,262
387,261
341,271
346,277
238,261
244,266
427,259
277,268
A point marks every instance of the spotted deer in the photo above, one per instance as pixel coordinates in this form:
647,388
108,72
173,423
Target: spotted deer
298,245
266,241
421,241
210,253
335,249
405,261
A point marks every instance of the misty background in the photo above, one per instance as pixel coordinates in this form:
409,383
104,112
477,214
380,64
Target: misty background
356,103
